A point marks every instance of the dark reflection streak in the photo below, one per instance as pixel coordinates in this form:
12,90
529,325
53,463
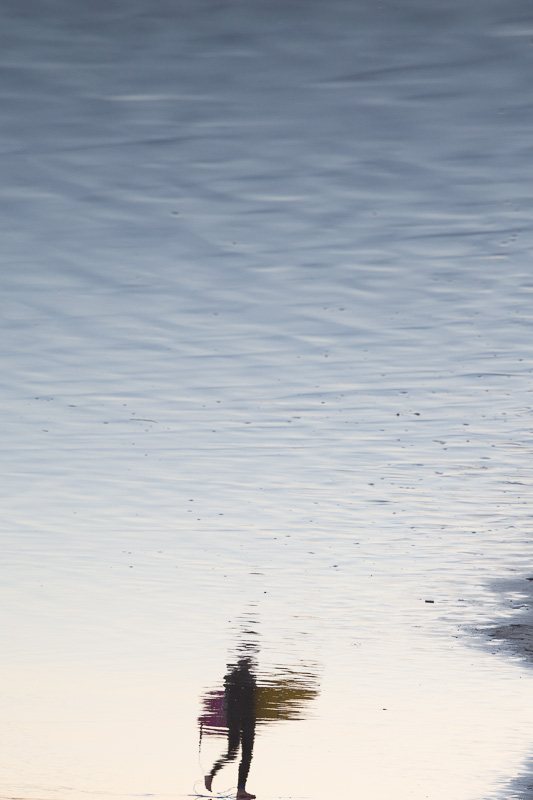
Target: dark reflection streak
463,234
99,146
421,69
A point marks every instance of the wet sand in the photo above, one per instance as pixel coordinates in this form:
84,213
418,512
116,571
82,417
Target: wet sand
266,341
515,635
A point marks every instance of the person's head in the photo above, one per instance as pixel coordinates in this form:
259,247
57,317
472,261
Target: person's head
245,664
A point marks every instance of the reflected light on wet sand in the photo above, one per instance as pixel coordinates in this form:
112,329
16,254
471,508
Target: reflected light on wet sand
265,343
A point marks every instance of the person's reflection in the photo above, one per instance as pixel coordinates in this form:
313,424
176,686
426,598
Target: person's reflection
240,691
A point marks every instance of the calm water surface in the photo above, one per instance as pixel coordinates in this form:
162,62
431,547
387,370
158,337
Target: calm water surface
267,366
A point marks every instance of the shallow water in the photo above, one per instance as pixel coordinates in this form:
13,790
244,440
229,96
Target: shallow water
266,353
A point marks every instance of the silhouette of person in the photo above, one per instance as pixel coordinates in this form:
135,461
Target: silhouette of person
240,691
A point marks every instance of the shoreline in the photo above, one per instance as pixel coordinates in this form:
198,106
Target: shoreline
514,637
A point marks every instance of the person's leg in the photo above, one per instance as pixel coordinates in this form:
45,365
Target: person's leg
247,746
234,736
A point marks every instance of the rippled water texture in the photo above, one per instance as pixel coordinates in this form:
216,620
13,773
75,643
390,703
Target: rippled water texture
267,365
